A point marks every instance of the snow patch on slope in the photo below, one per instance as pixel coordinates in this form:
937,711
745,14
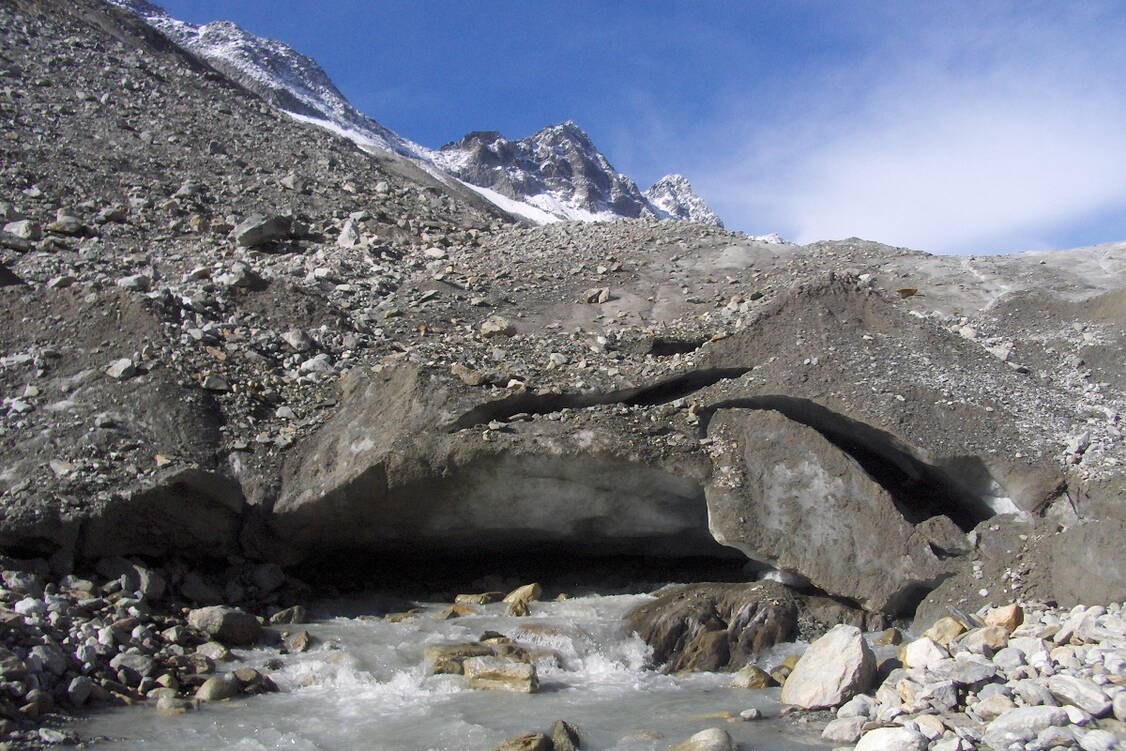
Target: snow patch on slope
512,206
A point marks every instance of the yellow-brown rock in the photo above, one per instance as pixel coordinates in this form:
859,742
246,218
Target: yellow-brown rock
1007,617
944,630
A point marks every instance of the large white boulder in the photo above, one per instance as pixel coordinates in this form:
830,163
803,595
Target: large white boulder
892,739
835,668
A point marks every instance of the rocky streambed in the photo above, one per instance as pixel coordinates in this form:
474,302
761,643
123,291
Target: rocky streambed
129,659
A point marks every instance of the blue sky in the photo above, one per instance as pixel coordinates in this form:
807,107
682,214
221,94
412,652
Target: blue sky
944,126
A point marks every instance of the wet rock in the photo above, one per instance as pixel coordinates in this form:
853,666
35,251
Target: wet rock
213,650
752,676
712,739
565,736
715,626
482,598
448,658
526,593
294,614
298,642
226,624
454,611
218,688
497,674
253,681
170,706
832,670
79,690
517,609
525,742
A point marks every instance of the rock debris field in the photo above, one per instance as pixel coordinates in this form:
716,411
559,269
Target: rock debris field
240,352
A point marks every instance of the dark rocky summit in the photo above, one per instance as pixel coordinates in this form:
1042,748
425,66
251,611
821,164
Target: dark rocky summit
674,195
237,341
558,162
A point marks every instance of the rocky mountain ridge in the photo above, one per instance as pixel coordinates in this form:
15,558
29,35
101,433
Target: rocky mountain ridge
557,171
674,195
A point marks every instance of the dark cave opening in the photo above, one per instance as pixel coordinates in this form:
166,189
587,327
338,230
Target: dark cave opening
559,569
661,347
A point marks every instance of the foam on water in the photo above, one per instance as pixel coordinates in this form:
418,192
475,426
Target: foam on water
366,685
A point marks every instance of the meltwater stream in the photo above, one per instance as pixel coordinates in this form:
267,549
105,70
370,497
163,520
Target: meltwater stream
366,685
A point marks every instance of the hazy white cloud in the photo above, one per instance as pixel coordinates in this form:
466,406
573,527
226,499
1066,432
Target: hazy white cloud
986,137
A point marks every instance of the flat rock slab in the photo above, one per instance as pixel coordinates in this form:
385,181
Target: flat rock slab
499,674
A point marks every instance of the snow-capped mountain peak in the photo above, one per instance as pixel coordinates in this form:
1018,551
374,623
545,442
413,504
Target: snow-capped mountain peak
674,195
555,173
557,168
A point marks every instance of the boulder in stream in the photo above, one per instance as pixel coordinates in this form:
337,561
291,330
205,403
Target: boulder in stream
712,739
715,626
500,674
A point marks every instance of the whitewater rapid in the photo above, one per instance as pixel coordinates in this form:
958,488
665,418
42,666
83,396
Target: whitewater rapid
366,685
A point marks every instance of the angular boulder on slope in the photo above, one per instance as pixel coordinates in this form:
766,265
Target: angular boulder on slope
783,494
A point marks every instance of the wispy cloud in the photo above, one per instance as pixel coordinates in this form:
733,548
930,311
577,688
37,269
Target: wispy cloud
974,132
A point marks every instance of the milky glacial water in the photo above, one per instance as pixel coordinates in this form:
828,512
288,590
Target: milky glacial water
365,685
